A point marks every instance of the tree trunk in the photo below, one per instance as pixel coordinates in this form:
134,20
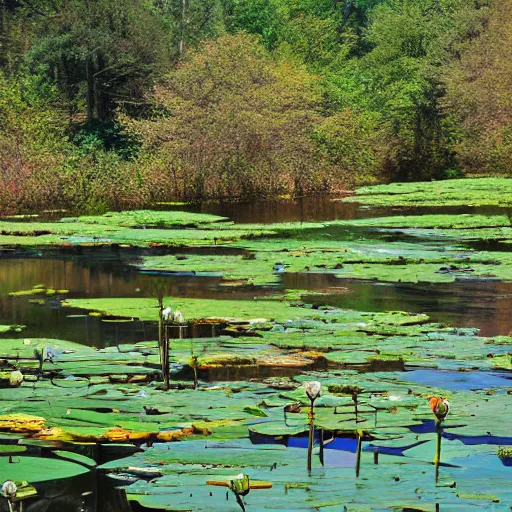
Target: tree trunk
91,97
183,24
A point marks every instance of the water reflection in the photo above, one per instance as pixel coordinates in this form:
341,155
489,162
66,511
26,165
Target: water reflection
484,304
90,279
465,303
301,209
317,209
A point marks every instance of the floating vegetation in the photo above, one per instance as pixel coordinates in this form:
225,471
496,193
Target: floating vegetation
505,454
463,192
150,219
11,328
173,421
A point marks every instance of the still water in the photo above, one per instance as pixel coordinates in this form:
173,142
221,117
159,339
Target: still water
466,303
84,278
318,209
484,304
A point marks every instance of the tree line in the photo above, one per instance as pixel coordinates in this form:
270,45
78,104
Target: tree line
119,103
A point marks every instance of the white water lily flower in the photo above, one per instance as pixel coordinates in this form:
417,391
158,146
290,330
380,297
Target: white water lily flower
178,317
313,389
9,489
167,314
26,341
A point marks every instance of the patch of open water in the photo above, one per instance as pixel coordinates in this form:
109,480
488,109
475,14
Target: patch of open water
302,209
468,303
483,304
318,209
90,279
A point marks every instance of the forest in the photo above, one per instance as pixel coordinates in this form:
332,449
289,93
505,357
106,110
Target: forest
116,104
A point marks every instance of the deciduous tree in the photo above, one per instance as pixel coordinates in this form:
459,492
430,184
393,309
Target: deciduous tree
236,123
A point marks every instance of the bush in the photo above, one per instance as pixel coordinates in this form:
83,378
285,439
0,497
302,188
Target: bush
232,122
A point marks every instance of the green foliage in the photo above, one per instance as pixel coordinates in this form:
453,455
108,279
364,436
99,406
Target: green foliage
478,98
119,103
25,108
265,18
108,136
350,141
30,138
99,53
504,452
238,124
188,22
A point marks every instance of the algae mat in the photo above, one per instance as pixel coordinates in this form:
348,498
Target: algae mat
457,192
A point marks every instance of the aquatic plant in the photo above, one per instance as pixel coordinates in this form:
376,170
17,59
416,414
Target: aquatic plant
9,491
440,407
474,191
46,354
194,361
167,314
168,317
15,378
159,288
504,452
313,390
505,455
240,486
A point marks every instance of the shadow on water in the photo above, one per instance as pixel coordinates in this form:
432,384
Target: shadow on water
458,381
89,492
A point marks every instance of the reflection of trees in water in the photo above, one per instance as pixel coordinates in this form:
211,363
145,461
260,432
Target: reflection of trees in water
467,303
88,278
303,209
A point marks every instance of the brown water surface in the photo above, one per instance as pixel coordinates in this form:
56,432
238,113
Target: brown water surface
317,209
485,304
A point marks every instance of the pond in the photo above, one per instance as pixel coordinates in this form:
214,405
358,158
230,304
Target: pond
319,208
108,419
